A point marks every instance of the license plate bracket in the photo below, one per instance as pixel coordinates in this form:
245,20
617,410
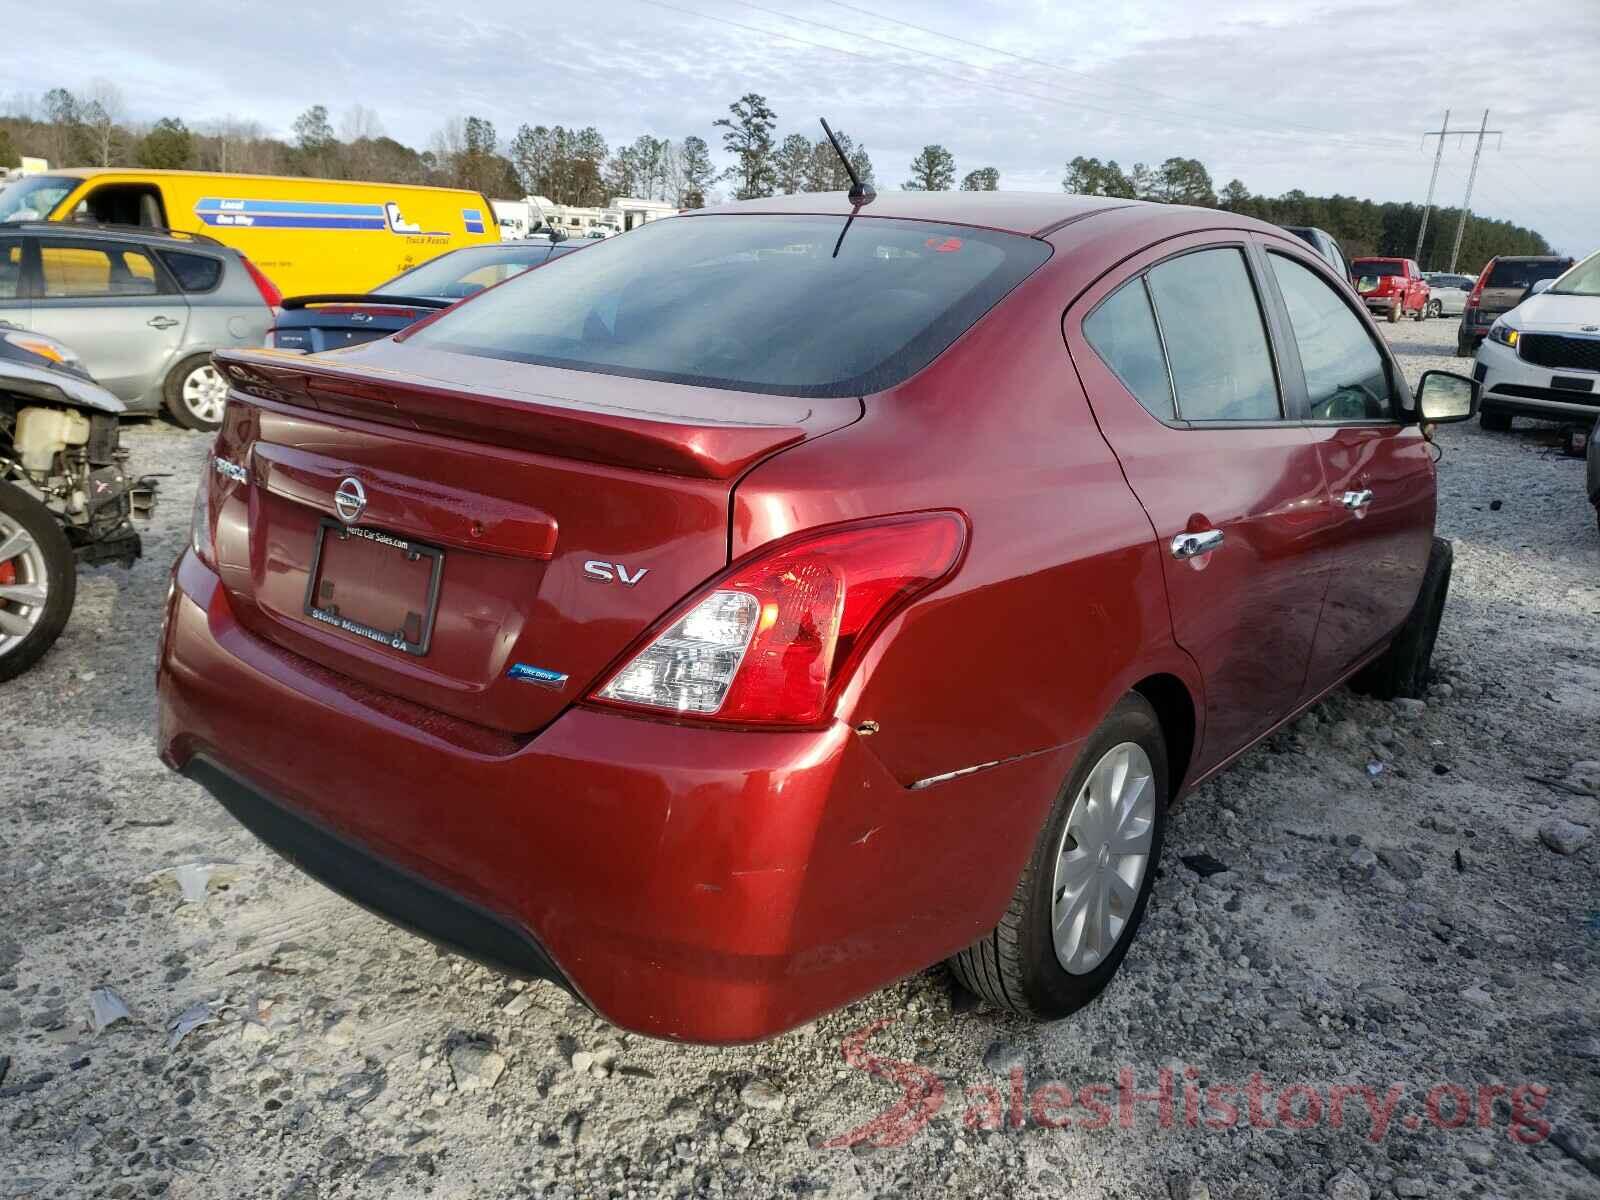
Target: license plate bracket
375,585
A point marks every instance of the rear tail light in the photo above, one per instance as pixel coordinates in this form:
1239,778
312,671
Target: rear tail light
773,639
200,536
270,295
1477,288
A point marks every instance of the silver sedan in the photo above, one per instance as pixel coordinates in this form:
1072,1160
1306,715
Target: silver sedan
1447,294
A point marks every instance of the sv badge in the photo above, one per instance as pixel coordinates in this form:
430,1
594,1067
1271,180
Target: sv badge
604,572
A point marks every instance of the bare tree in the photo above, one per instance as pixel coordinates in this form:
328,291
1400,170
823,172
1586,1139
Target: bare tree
102,116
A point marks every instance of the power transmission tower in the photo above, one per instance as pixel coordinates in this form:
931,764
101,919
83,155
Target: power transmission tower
1441,133
1461,226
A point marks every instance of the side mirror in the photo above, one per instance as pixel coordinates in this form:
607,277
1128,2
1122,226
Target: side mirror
1540,285
1444,396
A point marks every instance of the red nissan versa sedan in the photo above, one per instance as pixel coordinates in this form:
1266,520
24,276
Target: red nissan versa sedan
764,605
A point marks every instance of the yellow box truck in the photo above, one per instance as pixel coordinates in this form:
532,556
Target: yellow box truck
306,235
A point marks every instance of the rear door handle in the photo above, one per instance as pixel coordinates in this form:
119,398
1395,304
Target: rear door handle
1193,545
1357,499
161,322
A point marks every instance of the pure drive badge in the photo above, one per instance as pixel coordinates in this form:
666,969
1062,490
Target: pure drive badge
542,676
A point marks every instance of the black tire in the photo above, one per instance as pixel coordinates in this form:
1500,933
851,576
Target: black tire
61,571
1464,348
1402,670
1015,967
1422,312
1493,421
1394,314
1435,308
172,392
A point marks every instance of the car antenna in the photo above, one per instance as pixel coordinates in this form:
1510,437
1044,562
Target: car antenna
860,193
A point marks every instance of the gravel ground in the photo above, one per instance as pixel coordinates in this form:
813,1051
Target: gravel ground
1392,915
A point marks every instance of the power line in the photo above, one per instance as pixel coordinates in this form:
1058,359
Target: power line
1170,118
1097,80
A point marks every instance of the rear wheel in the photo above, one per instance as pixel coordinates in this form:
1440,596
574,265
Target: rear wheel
1422,311
1084,890
1464,348
38,580
1436,308
196,393
1494,422
1402,669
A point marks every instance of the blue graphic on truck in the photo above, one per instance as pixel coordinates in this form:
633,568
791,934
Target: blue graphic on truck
220,212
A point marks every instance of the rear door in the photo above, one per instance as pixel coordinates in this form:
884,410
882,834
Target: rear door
1379,507
1174,355
112,303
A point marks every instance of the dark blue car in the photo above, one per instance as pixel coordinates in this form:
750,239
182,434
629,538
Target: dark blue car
335,320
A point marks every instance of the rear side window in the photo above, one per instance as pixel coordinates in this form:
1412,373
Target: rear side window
1123,333
87,269
10,268
1215,338
194,272
1375,269
1344,372
791,305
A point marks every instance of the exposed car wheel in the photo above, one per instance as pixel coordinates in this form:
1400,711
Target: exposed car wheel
1402,670
1464,348
1436,308
196,393
1494,422
38,580
1084,890
1394,314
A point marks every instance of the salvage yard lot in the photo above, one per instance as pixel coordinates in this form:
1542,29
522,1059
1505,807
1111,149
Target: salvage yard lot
1389,918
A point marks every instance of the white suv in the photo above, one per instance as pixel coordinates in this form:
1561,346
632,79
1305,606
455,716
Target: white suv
1542,358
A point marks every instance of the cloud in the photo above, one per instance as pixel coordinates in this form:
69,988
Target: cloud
1327,98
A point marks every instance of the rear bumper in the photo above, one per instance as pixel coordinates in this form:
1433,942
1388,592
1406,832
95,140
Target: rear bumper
398,895
1509,384
696,884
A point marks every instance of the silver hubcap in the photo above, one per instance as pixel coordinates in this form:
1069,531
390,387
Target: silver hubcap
1104,853
22,600
205,393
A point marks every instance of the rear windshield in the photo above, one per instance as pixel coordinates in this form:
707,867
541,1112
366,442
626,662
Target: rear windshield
462,272
1508,273
1376,268
791,305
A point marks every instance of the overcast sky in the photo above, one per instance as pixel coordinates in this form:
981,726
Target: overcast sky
1330,96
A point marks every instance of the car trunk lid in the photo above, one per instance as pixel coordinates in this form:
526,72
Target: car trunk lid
514,535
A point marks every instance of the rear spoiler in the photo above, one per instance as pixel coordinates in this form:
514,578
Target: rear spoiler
597,419
366,298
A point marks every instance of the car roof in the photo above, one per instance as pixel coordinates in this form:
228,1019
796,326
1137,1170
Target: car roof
1032,213
140,172
134,233
1380,258
1532,258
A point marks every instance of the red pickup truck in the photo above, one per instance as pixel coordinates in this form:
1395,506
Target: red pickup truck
1391,286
